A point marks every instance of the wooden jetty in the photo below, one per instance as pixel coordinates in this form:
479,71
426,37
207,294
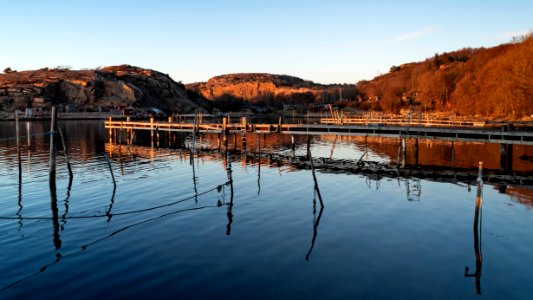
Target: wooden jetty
464,134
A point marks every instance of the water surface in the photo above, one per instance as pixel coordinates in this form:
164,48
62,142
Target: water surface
230,227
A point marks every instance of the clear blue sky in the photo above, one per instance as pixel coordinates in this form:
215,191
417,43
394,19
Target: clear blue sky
325,41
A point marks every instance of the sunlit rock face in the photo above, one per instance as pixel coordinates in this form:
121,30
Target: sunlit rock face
255,87
90,89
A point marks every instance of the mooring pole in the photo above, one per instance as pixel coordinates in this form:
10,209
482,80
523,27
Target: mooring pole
194,131
480,173
152,131
243,132
52,164
308,147
17,133
293,145
65,152
110,131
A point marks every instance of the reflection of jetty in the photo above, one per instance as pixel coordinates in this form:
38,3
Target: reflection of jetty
369,169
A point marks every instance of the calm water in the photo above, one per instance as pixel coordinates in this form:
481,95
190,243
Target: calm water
175,230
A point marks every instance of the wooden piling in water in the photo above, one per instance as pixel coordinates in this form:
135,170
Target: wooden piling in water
65,152
52,164
17,133
480,173
152,131
293,145
110,131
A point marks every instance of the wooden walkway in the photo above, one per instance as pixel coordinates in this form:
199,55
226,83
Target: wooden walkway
484,135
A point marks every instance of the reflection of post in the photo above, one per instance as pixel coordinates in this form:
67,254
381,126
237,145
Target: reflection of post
317,190
477,239
17,133
315,228
416,152
108,212
194,178
55,214
506,158
230,206
258,163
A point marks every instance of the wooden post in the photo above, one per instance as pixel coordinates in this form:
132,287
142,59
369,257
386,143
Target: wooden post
65,152
308,147
243,132
224,124
17,133
480,173
293,144
403,145
110,131
28,134
194,131
52,164
152,130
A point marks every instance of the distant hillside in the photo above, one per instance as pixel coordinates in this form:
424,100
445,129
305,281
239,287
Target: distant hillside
270,89
89,89
496,82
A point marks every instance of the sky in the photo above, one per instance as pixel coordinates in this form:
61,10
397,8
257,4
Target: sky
327,41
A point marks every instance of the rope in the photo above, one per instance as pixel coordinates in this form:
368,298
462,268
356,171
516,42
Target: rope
218,187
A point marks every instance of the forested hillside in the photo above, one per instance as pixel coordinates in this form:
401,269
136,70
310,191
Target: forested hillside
495,82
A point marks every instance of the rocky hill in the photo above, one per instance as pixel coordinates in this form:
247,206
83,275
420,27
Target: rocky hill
90,90
256,87
495,81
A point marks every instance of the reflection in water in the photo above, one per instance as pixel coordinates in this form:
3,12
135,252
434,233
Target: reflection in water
413,189
477,239
20,206
316,192
194,178
67,198
316,222
108,212
259,165
230,205
55,213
